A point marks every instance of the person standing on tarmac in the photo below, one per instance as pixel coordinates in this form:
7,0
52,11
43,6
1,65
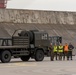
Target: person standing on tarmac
65,51
60,50
55,50
51,52
71,47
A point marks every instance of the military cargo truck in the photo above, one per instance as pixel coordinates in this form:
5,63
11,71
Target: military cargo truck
25,45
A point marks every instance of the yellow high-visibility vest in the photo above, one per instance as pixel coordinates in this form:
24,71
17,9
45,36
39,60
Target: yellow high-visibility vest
60,49
55,49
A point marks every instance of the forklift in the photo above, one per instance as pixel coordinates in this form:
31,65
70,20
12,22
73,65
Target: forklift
55,39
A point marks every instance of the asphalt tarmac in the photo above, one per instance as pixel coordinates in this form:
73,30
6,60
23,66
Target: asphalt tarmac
45,67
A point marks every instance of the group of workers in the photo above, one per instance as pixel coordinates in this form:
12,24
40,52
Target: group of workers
59,52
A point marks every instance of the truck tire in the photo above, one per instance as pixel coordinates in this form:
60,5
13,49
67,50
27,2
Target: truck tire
5,56
25,58
39,56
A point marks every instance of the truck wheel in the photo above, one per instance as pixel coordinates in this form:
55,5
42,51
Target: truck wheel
5,56
25,58
39,56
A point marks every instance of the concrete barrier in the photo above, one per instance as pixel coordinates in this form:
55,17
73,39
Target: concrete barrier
35,16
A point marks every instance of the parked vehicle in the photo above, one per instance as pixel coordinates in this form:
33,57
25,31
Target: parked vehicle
25,45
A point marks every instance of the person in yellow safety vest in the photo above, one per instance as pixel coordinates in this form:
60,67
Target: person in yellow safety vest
60,50
55,50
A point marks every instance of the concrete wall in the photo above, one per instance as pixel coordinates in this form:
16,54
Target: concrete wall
34,16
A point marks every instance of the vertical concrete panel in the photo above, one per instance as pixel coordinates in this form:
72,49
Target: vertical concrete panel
11,16
70,18
52,19
74,17
1,15
25,16
33,17
61,18
17,16
6,16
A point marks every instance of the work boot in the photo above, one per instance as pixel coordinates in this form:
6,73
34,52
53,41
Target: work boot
71,59
52,60
63,59
67,58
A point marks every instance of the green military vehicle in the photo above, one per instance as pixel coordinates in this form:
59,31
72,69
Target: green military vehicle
25,45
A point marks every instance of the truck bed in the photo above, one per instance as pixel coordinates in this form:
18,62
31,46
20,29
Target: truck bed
15,42
12,47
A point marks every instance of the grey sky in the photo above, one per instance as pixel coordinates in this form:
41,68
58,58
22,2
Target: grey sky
57,5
